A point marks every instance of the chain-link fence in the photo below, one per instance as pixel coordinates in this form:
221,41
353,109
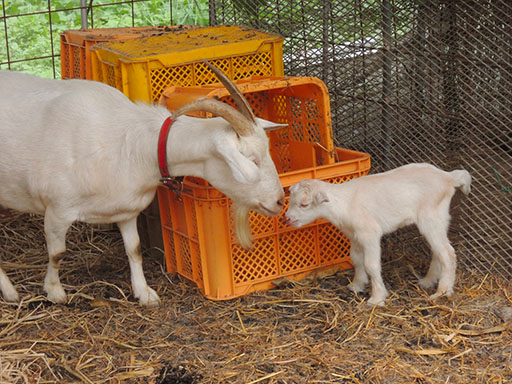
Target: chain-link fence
413,81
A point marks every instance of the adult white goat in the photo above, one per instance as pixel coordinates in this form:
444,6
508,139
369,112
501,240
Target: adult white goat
369,207
80,150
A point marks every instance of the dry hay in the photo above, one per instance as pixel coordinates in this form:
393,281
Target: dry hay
313,331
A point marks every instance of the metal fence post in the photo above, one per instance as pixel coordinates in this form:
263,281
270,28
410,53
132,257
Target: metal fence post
386,81
83,14
212,12
450,92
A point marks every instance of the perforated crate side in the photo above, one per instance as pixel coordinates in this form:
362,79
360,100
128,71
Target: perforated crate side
141,83
259,264
186,75
334,246
298,250
307,123
164,200
73,59
64,58
177,227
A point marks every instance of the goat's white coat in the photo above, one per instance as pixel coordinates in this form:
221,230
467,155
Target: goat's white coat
79,150
369,207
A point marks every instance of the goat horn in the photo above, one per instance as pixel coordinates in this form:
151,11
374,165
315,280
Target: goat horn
240,124
238,97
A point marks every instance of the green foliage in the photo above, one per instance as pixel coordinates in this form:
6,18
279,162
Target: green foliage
191,12
29,36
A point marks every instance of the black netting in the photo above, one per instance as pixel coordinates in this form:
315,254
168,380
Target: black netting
412,81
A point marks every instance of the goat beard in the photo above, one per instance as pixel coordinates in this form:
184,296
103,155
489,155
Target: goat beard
242,227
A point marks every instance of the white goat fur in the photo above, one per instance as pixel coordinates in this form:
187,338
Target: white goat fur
369,207
80,150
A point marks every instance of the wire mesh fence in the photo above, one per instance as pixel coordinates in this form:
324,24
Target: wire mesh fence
413,81
409,81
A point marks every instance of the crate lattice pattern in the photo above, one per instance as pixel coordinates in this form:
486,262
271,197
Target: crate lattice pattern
260,263
168,235
111,78
300,113
186,268
78,64
298,250
333,247
65,62
258,64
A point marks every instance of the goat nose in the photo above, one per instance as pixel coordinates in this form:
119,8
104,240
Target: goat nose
280,202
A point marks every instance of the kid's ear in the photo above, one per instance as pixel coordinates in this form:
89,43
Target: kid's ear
321,197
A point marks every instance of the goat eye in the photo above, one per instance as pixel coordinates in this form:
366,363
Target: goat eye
303,205
256,162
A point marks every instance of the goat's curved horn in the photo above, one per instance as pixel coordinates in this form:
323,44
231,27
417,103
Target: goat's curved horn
238,97
240,124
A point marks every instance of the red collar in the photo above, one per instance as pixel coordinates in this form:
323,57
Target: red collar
174,183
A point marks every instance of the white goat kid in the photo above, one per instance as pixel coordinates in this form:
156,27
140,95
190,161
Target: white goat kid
79,150
369,207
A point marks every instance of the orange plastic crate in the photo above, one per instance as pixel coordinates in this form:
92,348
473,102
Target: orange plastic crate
200,245
143,68
75,45
300,102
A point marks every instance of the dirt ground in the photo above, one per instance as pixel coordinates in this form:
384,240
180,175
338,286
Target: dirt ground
312,331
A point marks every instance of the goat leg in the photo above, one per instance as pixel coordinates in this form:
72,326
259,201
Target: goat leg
141,290
55,228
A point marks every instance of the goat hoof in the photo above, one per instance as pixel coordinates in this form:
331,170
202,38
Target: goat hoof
356,288
378,302
56,294
10,294
435,296
439,294
426,283
149,298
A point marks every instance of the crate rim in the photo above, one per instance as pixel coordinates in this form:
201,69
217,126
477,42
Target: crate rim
363,162
249,84
250,46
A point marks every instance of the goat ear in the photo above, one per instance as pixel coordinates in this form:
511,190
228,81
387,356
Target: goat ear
243,169
321,197
269,126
